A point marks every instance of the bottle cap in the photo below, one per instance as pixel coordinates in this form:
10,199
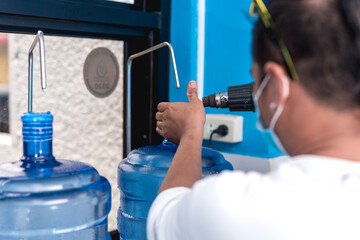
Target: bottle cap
37,126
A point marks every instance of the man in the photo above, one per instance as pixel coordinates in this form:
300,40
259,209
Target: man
309,104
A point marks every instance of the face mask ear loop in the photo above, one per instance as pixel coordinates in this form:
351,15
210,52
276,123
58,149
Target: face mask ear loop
280,109
286,86
262,86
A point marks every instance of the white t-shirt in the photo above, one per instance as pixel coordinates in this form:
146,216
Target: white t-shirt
309,197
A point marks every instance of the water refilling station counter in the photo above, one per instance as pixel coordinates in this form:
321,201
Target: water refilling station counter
44,198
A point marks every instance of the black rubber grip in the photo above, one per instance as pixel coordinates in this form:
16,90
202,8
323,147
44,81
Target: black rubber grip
240,98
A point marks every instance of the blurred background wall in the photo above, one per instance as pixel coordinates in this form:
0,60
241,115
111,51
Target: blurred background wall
86,128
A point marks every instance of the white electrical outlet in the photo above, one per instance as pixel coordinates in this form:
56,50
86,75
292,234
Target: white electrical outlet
233,122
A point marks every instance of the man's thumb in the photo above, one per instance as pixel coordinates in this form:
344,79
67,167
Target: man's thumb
192,91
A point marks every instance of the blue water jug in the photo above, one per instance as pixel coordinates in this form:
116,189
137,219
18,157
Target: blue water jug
43,198
139,178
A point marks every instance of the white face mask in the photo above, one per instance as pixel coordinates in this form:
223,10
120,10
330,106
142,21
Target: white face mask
269,133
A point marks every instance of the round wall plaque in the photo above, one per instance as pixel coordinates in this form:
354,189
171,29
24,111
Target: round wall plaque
101,72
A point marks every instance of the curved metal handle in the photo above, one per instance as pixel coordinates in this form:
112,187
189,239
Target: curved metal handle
38,38
129,64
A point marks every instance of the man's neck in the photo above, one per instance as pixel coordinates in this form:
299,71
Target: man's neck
344,147
322,131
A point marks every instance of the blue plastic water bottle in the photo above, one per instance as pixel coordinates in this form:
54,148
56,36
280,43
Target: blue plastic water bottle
43,198
139,178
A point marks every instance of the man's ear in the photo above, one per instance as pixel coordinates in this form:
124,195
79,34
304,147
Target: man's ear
276,92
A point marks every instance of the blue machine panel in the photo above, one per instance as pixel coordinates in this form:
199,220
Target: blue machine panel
228,34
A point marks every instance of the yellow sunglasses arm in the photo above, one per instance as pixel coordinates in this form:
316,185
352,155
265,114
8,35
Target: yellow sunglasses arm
252,10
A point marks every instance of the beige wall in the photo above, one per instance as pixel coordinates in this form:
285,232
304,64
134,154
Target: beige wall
4,65
86,128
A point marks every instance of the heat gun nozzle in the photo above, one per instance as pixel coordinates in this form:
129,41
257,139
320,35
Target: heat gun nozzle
206,101
209,101
237,98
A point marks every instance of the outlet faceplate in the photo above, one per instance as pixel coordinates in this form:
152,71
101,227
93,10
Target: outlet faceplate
233,122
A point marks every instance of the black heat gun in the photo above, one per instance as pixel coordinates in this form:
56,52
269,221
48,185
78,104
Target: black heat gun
237,98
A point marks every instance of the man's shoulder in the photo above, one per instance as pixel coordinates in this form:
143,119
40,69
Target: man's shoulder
291,180
296,175
231,188
232,182
260,206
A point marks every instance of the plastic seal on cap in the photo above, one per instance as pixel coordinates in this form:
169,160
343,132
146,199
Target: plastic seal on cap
37,117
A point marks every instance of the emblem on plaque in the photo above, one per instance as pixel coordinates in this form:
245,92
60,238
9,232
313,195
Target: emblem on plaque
101,72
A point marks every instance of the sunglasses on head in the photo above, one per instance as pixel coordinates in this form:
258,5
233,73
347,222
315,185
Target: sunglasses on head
259,9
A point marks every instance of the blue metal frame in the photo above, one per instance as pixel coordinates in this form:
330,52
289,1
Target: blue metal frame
93,18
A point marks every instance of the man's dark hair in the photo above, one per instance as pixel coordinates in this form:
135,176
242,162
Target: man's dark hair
323,38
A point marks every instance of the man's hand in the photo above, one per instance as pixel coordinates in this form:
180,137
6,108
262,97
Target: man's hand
177,121
183,124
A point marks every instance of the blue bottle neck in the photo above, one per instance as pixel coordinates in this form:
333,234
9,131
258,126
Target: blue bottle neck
37,149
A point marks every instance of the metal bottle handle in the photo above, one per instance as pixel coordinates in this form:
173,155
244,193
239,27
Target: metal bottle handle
38,38
129,64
